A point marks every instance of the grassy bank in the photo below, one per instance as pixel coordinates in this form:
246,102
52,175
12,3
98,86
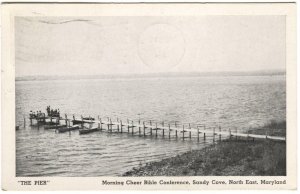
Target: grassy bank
227,158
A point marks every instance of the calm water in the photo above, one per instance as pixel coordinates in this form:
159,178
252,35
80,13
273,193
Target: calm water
243,102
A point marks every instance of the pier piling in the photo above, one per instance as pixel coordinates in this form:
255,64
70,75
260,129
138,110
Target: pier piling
66,119
118,127
220,138
144,129
156,130
132,130
139,127
198,133
128,125
169,131
150,128
121,126
99,122
204,136
182,132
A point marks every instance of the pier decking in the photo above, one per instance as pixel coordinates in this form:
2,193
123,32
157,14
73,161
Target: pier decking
150,128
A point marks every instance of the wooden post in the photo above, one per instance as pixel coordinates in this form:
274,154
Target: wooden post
132,130
144,128
139,127
24,122
110,123
169,131
198,133
66,119
50,119
38,124
190,132
214,135
183,132
150,128
118,127
229,133
156,130
81,121
220,133
204,137
99,122
121,126
163,130
128,125
176,129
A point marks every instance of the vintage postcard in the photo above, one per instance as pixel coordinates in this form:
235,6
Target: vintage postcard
152,96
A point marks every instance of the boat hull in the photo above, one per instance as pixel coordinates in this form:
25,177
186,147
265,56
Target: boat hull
86,131
65,129
54,126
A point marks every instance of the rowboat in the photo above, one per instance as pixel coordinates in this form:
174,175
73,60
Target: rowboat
88,130
54,126
84,120
88,118
65,129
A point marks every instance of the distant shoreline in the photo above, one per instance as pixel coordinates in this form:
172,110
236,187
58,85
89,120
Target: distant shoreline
151,75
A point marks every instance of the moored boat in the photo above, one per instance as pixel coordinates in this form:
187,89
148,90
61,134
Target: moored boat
88,130
65,129
54,126
84,120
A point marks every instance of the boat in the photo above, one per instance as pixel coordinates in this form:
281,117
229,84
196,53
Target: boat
51,123
88,118
75,122
65,129
83,120
54,126
88,130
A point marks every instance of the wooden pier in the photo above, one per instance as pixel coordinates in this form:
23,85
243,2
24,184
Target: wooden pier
154,129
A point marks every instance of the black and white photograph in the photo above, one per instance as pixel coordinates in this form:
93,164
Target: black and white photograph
151,96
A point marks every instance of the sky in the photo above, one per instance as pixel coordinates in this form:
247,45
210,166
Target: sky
122,45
